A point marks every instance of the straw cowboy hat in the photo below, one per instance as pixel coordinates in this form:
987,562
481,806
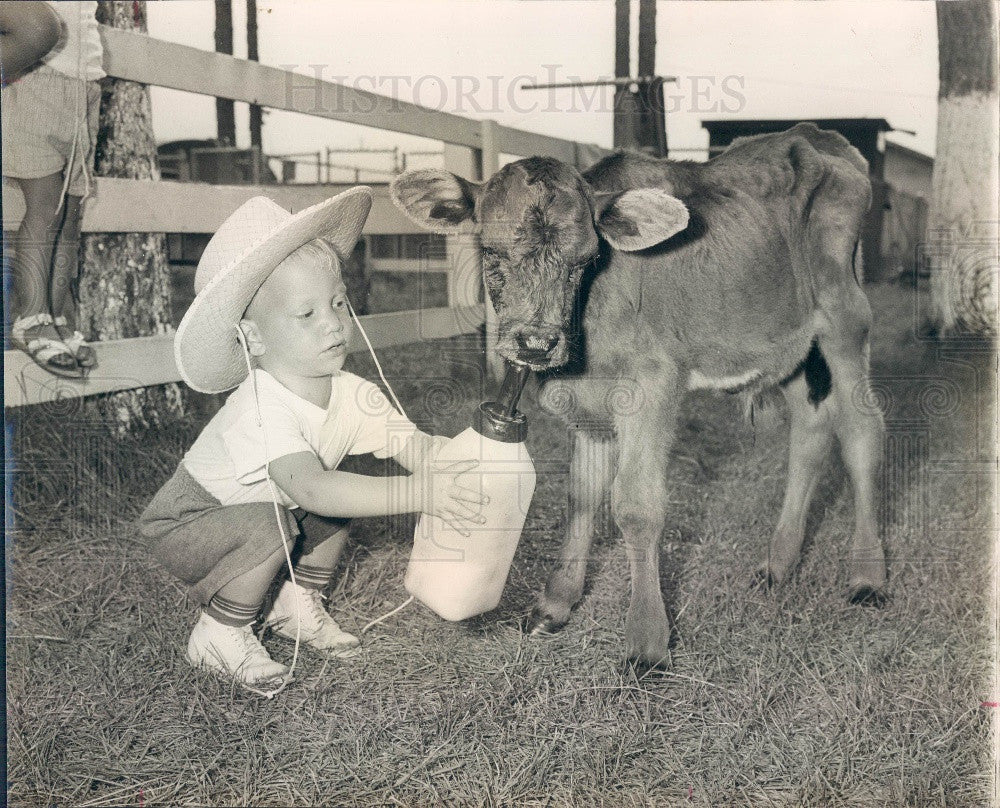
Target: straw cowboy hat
244,251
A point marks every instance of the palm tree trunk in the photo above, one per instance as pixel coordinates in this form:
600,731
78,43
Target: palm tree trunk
125,283
962,226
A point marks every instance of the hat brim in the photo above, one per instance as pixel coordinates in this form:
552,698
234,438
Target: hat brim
206,346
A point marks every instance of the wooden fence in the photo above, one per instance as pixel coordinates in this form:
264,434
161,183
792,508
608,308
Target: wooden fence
472,148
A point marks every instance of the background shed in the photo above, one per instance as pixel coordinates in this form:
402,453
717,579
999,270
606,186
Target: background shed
865,134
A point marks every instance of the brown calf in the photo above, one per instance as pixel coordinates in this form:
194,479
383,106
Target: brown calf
641,278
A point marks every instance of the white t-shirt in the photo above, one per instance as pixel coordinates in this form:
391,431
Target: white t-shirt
79,53
229,457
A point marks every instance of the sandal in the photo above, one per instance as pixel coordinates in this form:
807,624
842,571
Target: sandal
52,354
84,353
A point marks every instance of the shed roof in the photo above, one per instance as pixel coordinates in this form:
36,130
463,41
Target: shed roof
759,126
907,151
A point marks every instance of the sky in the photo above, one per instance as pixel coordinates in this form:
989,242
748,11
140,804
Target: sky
838,58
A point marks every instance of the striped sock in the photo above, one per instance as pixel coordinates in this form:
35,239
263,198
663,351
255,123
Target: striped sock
230,612
310,577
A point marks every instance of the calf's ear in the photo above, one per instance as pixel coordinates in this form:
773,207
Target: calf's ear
634,220
436,199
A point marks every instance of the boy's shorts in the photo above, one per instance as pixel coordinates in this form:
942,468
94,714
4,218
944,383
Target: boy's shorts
206,544
43,112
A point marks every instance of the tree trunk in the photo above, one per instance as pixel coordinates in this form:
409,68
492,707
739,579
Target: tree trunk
125,284
962,226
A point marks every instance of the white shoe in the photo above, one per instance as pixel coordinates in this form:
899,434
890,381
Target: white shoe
318,630
233,650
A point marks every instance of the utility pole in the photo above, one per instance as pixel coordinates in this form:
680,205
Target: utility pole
622,113
225,109
639,113
639,109
256,113
647,38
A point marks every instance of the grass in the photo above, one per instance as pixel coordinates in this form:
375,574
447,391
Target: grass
789,698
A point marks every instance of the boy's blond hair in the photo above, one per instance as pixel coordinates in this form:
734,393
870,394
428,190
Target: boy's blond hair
316,250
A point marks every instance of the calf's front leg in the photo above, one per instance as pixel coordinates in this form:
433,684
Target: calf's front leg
639,506
589,481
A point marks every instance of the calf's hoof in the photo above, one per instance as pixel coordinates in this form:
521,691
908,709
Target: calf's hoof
773,569
763,579
866,581
647,644
863,594
540,623
641,665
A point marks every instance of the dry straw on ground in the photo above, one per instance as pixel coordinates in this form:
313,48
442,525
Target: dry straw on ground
789,698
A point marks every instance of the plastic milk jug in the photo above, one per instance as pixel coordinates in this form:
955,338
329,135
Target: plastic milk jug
458,576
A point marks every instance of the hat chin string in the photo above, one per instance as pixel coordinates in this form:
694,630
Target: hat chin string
371,350
281,525
378,366
270,694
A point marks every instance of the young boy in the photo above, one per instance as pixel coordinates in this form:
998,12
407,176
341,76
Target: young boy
269,287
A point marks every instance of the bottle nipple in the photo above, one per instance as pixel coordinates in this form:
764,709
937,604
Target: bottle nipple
500,419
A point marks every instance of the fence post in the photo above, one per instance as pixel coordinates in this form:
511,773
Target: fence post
489,156
489,165
465,269
255,167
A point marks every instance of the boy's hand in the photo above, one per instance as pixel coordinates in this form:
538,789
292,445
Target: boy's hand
444,496
420,450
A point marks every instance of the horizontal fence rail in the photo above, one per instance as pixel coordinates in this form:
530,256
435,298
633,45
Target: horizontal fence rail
141,58
165,206
144,361
472,148
416,265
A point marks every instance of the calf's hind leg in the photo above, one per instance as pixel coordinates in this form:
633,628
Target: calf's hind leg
809,441
858,425
589,481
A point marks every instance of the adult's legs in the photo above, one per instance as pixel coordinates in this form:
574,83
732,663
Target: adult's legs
34,244
66,261
65,273
33,271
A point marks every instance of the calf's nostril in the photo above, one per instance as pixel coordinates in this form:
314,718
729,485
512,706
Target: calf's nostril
536,343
